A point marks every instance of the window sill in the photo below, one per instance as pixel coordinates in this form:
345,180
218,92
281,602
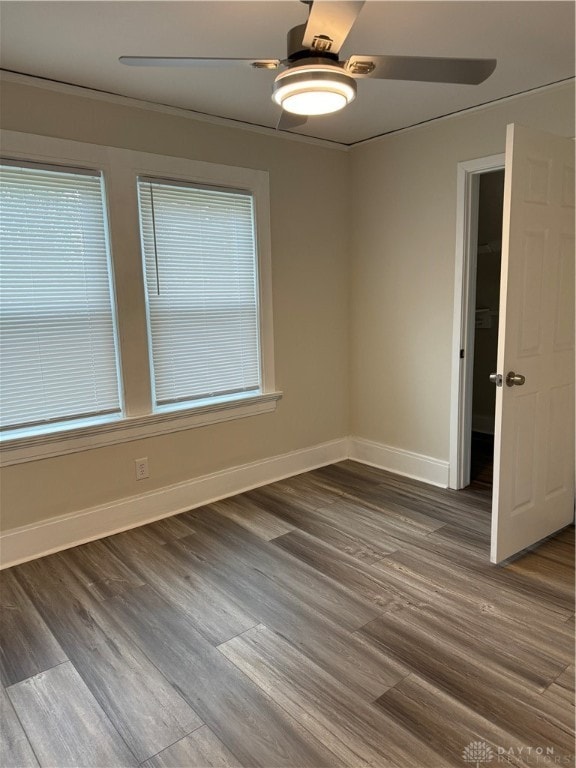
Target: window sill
20,450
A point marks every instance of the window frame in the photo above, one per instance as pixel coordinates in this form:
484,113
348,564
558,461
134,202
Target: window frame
184,403
54,425
121,169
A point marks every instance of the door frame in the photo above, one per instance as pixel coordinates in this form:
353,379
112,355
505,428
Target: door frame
468,186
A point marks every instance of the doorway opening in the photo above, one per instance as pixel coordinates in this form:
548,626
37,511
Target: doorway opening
475,339
533,485
485,351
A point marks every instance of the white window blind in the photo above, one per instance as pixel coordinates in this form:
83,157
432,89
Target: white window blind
57,339
201,279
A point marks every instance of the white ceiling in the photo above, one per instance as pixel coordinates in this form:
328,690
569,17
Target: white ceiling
80,42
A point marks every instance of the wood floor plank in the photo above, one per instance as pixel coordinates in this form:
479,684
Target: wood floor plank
552,647
251,726
532,663
388,639
519,710
68,606
356,663
474,543
393,519
170,528
102,574
376,499
559,547
379,497
139,542
308,585
445,505
535,579
15,749
145,709
467,499
346,570
210,609
307,489
443,721
201,749
64,723
302,497
425,575
321,527
537,655
27,646
545,572
356,520
147,538
475,617
561,696
258,521
355,731
364,473
561,691
566,678
427,570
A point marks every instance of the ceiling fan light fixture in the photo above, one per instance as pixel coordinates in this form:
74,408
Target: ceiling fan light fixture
313,90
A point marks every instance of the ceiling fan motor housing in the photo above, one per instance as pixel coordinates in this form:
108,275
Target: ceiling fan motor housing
321,47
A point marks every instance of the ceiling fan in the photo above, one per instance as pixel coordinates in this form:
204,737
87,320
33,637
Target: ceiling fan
315,81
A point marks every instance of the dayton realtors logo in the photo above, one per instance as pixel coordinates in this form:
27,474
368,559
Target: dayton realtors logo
478,752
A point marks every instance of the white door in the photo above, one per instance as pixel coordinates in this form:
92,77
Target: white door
534,434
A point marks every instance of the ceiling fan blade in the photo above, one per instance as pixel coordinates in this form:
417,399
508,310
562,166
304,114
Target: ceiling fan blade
421,68
289,120
329,24
192,61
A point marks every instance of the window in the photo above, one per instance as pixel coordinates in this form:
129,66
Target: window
57,336
184,339
200,262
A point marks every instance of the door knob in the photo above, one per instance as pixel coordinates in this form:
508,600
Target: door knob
515,379
496,378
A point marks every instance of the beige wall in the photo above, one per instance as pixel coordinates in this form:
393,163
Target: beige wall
403,241
398,210
310,296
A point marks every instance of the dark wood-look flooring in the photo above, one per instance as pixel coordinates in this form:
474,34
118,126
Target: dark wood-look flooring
345,617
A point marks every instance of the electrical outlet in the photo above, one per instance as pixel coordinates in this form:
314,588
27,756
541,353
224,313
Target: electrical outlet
141,468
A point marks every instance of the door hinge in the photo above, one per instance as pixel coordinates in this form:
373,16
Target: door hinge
461,354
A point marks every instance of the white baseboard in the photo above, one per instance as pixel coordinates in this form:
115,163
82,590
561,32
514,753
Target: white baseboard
425,468
18,545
